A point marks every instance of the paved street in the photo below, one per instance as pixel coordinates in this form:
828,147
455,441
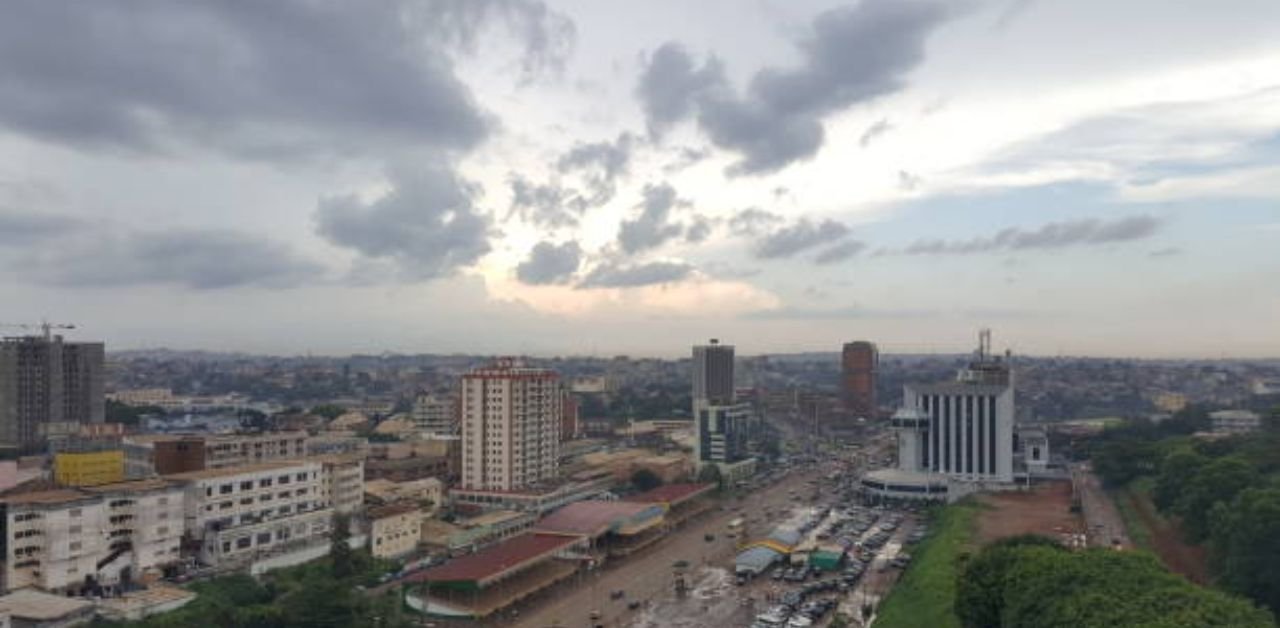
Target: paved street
647,576
1103,521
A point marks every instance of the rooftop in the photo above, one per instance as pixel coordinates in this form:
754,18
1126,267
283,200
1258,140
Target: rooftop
54,496
36,605
131,486
391,510
498,560
205,474
671,494
595,518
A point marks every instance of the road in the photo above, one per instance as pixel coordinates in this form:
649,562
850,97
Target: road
1104,525
647,576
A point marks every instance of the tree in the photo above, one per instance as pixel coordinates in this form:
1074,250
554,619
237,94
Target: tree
1219,481
117,412
979,601
710,474
1118,461
645,480
329,411
342,557
1176,473
1245,546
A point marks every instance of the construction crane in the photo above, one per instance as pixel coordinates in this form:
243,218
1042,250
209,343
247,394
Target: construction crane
44,326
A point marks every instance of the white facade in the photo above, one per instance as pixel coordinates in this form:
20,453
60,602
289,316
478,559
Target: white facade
510,426
144,528
236,450
53,540
395,531
242,514
342,488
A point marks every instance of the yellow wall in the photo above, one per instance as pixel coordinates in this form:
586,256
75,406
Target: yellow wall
89,469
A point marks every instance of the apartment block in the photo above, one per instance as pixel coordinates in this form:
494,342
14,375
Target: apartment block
239,514
52,540
45,380
342,488
144,528
510,426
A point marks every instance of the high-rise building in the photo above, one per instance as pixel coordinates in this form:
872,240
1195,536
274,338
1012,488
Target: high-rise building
713,373
859,362
45,380
722,433
510,426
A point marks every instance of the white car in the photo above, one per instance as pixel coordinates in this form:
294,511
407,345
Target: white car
799,621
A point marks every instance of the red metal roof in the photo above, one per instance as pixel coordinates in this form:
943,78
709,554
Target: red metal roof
671,494
593,517
492,562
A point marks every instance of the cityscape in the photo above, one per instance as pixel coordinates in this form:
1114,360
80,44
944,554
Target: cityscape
566,314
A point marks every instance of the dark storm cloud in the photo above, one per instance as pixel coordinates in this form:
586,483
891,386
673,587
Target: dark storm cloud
254,78
612,275
19,228
803,235
548,205
550,264
653,227
880,127
854,54
840,252
199,259
1049,236
753,221
426,223
600,164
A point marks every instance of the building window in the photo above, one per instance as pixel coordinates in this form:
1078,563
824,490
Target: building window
74,530
243,542
265,482
74,512
75,545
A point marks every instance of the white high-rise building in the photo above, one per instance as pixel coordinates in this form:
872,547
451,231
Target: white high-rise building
510,426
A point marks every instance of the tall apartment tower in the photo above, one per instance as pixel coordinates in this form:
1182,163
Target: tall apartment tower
713,373
44,379
510,426
859,362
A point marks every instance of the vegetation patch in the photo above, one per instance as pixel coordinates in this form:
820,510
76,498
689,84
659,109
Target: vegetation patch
925,596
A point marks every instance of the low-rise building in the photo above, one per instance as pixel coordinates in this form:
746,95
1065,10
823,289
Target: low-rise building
1235,421
394,530
426,493
235,515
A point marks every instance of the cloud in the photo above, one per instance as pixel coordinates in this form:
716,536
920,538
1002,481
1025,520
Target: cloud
548,205
601,163
804,234
853,54
20,228
550,264
202,259
699,229
1049,236
753,221
547,35
262,79
670,84
685,157
840,252
908,181
880,127
612,275
652,227
426,223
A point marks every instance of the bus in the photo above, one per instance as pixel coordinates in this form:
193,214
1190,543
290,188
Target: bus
735,527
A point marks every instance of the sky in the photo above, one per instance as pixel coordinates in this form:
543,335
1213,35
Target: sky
600,177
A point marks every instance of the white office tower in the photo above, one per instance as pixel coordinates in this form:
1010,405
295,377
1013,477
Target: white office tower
510,426
964,428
